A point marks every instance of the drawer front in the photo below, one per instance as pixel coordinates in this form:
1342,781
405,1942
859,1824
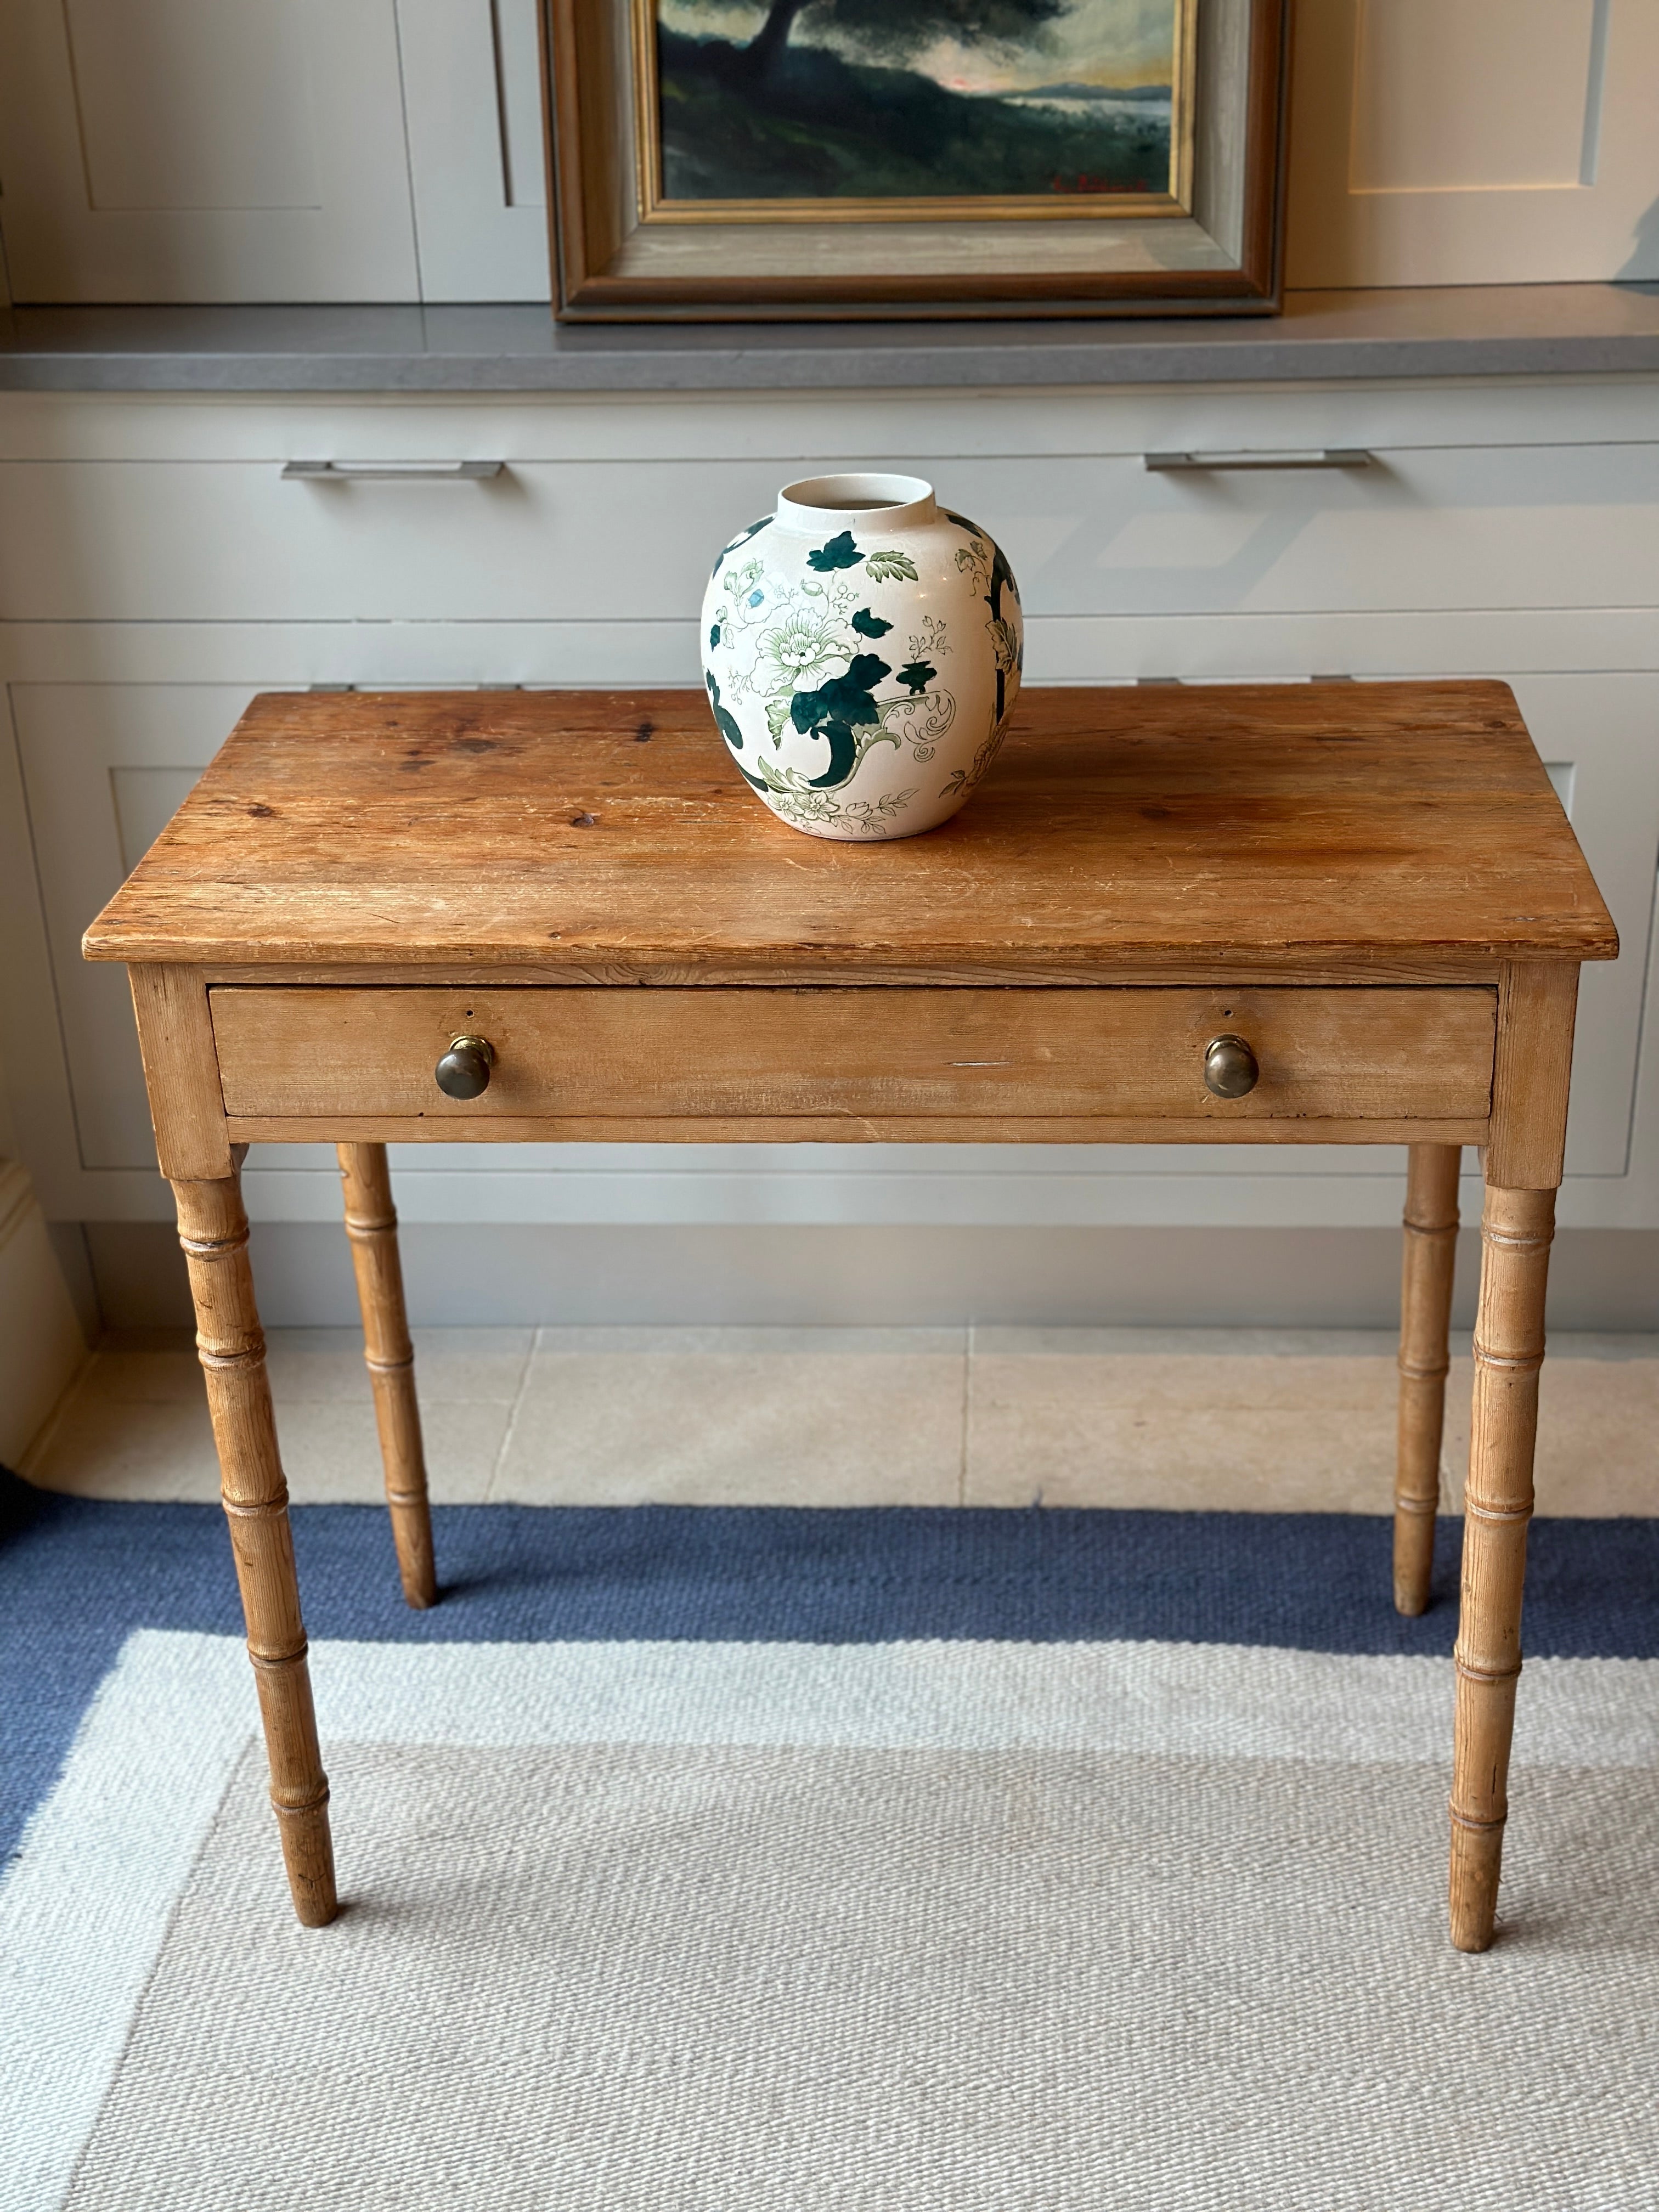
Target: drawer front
1089,534
767,1055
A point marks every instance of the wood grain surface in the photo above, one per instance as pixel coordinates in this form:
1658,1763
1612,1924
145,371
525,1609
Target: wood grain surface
1355,828
1425,1296
1537,1008
381,872
371,1223
1516,1232
213,1231
175,1043
844,1129
715,1054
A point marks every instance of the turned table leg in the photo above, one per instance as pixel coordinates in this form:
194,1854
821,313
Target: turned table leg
213,1231
1425,1292
1522,1164
371,1221
1509,1350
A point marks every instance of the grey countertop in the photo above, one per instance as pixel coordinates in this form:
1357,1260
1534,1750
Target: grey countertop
1521,329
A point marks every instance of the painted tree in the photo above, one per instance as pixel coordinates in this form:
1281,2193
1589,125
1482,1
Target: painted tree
897,29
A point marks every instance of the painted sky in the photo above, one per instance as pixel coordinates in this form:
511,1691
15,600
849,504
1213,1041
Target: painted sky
1106,42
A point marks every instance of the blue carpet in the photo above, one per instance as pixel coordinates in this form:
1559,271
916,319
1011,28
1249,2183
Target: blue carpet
77,1576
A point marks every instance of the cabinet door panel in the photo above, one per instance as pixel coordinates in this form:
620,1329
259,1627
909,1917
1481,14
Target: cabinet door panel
197,151
472,95
1472,142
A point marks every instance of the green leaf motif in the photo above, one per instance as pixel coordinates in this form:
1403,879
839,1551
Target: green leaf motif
725,720
840,553
917,676
869,625
883,567
726,723
835,710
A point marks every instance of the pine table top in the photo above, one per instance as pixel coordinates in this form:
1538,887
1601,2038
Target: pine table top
1387,832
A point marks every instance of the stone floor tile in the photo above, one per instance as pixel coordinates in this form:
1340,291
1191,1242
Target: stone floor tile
131,1446
460,1366
137,1426
826,1425
331,1453
1186,1343
1036,1439
123,1375
1238,1419
821,1343
1178,1383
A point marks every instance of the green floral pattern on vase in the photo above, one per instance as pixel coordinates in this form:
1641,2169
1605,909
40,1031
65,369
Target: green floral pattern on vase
864,652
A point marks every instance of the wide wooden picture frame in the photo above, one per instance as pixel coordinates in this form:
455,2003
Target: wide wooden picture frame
625,251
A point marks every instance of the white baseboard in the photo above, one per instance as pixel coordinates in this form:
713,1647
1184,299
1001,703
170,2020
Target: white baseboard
41,1348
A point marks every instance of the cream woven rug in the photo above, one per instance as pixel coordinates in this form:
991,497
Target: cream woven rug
878,1927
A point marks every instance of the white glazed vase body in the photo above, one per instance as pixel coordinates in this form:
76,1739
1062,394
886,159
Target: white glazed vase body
862,650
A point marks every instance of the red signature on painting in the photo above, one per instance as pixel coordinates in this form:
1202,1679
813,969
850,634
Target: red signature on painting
1084,183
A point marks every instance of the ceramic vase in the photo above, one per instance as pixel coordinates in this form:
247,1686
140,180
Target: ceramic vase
862,648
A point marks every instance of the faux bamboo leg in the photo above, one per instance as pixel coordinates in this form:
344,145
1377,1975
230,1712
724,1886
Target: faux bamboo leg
371,1221
213,1230
1509,1351
1425,1290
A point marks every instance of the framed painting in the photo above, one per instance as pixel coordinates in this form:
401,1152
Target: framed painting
731,159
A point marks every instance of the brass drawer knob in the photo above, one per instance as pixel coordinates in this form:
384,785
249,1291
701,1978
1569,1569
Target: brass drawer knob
464,1071
1230,1067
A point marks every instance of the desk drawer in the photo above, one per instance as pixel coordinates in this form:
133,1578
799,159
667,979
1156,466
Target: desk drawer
580,540
866,1057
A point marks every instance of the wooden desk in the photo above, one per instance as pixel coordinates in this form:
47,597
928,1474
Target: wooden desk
1371,885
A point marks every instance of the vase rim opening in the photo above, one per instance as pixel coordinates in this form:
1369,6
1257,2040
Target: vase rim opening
869,497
